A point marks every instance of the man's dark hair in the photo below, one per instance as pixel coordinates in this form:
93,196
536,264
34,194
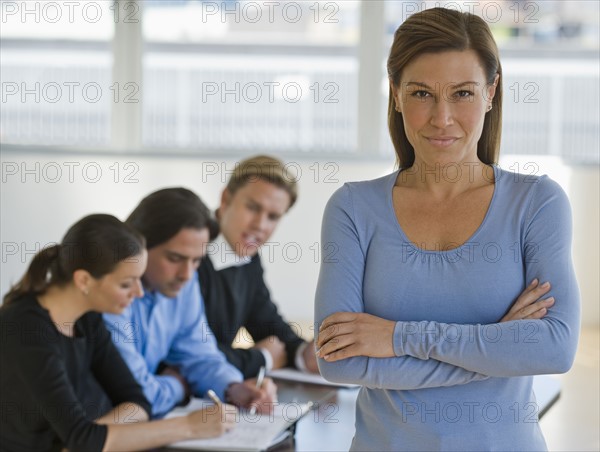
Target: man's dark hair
162,214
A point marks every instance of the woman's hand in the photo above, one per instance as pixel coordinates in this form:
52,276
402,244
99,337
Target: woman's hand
529,305
212,421
346,334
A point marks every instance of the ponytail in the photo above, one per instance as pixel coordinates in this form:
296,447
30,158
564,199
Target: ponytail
96,244
43,271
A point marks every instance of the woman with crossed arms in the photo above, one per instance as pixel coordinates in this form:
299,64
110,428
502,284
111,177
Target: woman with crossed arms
63,383
452,282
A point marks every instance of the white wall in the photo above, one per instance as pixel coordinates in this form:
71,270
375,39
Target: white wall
585,201
38,206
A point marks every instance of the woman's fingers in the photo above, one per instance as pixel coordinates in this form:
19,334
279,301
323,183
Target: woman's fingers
331,332
540,313
529,296
522,300
335,344
538,310
355,334
338,317
325,335
333,340
532,294
534,307
343,353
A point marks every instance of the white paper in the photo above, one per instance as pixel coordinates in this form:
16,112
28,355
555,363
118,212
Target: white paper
251,432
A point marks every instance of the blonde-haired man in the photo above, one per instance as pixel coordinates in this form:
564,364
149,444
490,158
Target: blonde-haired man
259,192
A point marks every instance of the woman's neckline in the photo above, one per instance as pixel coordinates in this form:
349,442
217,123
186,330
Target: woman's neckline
449,251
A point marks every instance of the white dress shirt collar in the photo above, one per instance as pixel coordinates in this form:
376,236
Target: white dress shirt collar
222,255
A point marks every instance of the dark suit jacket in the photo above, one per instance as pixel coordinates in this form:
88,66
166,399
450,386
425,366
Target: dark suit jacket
236,297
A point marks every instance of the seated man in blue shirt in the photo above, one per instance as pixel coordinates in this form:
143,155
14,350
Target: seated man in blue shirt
164,336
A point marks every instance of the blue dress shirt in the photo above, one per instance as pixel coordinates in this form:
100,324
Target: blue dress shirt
155,329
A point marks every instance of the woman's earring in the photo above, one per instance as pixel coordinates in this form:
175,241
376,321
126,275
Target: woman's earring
489,108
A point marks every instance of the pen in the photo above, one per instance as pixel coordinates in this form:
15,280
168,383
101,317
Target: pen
214,397
259,382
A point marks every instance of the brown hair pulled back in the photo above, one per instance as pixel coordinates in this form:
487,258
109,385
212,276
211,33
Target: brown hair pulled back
439,30
96,243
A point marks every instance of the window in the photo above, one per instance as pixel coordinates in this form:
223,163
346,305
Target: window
56,73
297,78
241,76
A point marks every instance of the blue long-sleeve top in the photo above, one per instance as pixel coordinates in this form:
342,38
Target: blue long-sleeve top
155,329
460,380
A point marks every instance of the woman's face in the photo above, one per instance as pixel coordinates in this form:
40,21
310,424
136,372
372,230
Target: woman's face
116,290
443,98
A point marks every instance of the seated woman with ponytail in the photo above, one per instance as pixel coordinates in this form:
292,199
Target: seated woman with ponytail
63,384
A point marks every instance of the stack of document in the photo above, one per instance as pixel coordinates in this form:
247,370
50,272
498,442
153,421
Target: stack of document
252,432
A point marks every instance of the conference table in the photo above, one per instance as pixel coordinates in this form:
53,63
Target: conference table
329,426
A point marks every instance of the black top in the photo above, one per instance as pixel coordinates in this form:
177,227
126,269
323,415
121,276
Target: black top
52,387
236,297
